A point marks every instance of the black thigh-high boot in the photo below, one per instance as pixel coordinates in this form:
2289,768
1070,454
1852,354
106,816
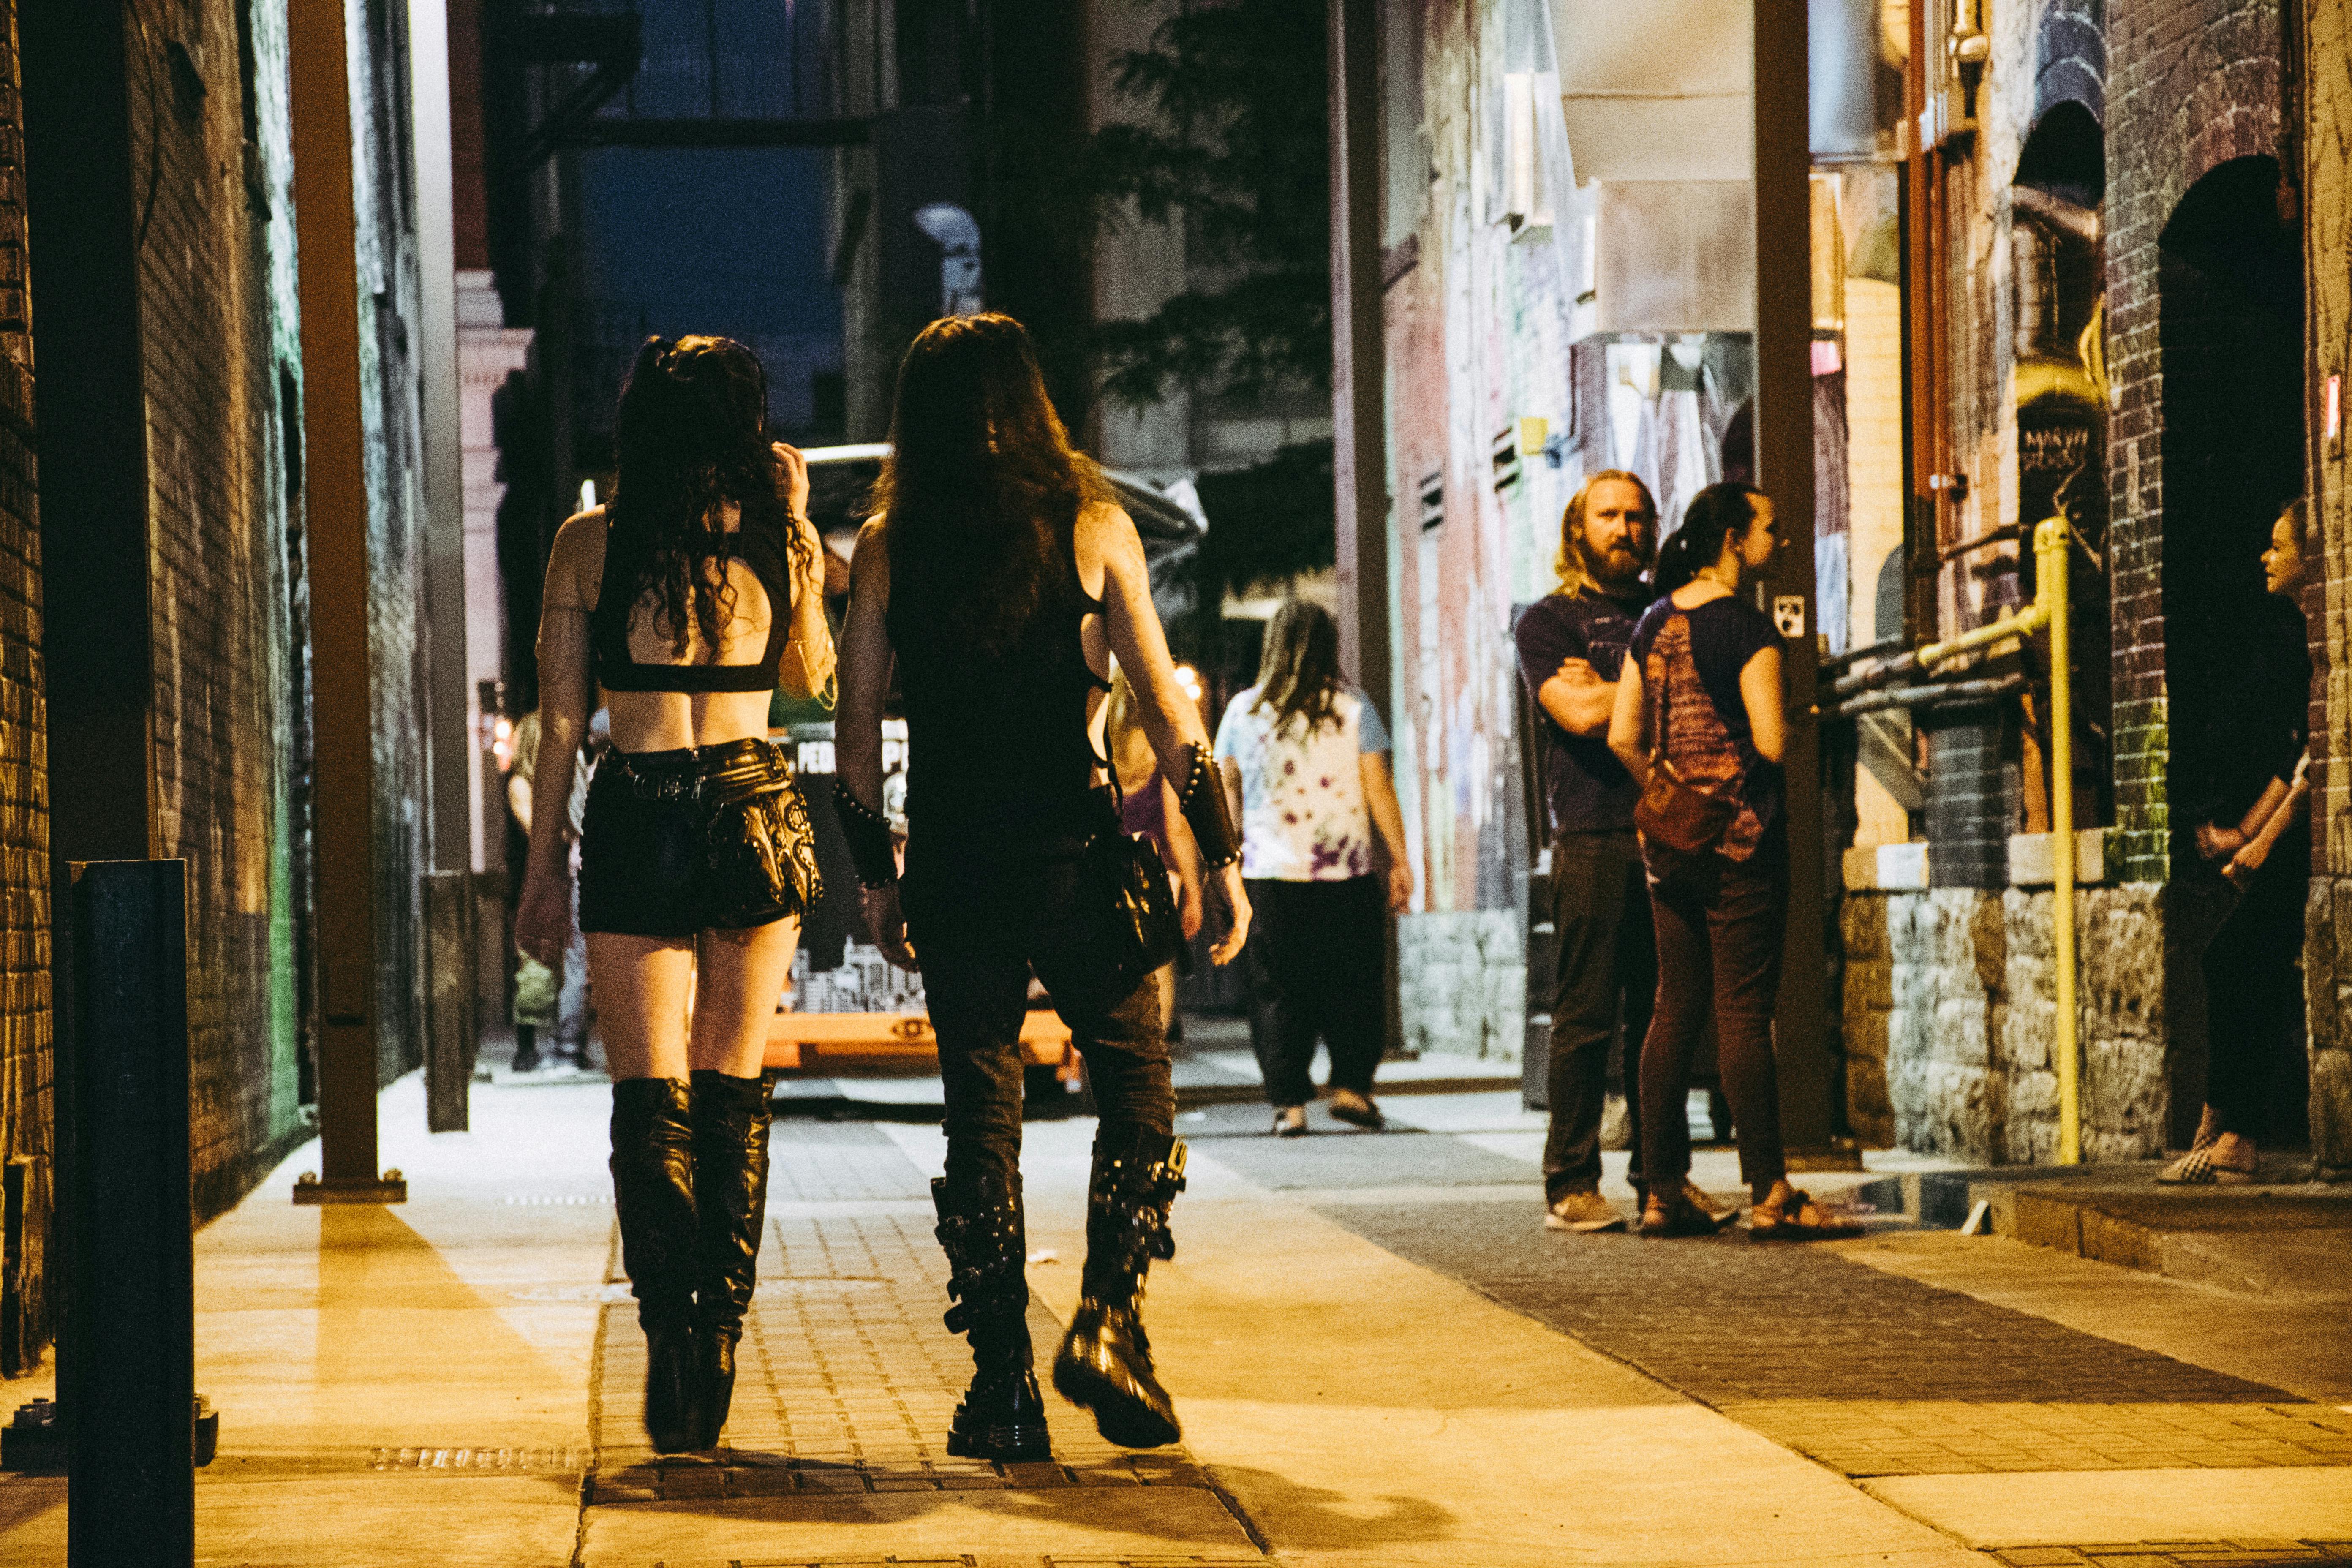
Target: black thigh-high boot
1002,1416
1105,1363
731,1118
653,1187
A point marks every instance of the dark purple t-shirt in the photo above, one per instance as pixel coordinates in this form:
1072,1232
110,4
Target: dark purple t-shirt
1587,790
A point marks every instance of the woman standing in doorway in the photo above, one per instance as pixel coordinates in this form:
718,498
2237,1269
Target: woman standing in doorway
1700,696
1306,759
1000,579
689,598
2253,990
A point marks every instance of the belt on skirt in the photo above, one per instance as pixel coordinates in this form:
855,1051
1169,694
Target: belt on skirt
693,774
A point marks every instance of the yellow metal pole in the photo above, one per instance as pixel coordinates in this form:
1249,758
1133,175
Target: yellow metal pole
2051,566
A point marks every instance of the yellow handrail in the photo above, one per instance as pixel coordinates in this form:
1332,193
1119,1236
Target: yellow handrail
2049,611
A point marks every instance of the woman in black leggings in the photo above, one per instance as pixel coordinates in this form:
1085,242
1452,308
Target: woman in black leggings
689,599
999,578
1701,690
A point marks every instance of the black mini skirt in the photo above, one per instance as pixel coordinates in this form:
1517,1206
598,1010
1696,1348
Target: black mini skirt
705,838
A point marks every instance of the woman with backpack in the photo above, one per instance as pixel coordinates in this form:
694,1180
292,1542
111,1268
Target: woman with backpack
1700,722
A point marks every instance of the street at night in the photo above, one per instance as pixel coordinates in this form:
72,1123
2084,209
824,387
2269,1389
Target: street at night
1174,784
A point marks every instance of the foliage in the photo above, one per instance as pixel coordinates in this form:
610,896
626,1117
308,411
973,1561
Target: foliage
1269,521
1237,142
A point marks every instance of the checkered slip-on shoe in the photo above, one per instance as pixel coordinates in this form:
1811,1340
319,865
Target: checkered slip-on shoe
2199,1168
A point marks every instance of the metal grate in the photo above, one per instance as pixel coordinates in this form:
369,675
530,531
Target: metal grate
485,1460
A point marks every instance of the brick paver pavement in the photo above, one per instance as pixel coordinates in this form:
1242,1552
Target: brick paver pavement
1868,1372
847,1378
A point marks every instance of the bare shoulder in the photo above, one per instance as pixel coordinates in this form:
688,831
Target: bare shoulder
576,562
1105,533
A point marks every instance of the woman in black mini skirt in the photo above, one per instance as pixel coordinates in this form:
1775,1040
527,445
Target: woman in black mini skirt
689,599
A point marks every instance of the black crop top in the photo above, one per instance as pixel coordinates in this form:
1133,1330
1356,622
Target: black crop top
760,545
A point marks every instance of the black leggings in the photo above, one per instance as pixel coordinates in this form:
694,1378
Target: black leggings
978,929
2253,998
1315,965
1719,925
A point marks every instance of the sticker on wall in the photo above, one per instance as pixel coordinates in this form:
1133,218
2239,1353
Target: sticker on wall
1789,615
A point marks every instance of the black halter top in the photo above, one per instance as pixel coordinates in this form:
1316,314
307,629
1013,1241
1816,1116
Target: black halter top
759,545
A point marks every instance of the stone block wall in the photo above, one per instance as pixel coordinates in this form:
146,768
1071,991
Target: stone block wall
1949,1016
1462,983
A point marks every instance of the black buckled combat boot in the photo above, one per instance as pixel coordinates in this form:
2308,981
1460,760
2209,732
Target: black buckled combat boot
731,1120
1105,1363
653,1188
1002,1416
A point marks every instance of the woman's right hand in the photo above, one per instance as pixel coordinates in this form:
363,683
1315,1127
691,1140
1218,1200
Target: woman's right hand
888,925
543,917
1230,893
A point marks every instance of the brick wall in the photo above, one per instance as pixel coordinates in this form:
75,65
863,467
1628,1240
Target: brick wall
25,1062
2327,62
2191,84
216,593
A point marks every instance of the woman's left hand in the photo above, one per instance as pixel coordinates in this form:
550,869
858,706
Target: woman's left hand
792,479
2246,862
1399,887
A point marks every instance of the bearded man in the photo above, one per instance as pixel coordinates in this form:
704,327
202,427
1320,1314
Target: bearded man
1572,646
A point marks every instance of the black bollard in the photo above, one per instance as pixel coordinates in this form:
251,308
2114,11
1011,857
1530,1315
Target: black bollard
127,1358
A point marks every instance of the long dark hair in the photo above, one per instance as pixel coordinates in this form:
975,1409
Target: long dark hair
982,486
691,435
1299,674
1717,513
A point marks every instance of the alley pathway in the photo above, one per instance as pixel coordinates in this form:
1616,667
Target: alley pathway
1381,1357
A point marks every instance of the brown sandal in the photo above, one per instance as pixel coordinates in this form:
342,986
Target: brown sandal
1798,1218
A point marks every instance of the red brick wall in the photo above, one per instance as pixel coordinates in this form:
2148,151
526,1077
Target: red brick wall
2191,84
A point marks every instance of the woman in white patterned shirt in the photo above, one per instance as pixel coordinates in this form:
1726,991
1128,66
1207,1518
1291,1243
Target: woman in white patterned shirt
1323,856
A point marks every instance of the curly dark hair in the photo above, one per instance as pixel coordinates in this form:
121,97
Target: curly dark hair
691,435
981,489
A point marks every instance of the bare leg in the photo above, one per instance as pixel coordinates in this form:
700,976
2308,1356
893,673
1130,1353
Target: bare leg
743,974
643,986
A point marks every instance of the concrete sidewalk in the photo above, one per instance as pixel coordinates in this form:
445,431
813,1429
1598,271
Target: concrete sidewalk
453,1381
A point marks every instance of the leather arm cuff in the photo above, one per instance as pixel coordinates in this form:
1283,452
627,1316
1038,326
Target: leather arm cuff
1208,813
869,832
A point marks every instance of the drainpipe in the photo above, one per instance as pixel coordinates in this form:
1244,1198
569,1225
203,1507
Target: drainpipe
2048,612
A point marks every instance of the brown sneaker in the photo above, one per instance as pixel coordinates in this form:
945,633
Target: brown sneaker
1587,1211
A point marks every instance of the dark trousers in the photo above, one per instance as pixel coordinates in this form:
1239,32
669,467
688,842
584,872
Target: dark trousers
977,930
1315,968
2253,995
1719,925
1605,969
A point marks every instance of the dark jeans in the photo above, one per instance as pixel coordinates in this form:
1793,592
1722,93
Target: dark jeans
2253,995
1719,926
1315,968
1605,967
978,929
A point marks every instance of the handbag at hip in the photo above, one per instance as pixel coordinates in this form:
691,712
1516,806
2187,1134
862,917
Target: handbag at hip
1129,926
759,849
1678,814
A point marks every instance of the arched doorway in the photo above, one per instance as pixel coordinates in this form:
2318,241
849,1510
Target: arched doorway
2056,249
2230,336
